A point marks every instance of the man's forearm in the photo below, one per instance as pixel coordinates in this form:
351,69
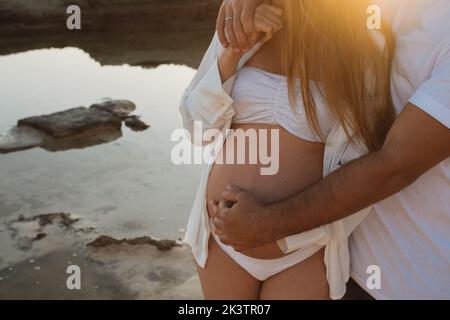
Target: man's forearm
353,187
415,144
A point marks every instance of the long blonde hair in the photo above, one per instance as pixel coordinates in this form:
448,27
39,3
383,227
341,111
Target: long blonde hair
329,41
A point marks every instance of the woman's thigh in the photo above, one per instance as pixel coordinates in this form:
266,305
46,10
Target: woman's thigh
303,281
223,279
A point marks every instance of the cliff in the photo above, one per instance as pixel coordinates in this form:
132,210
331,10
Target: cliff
25,16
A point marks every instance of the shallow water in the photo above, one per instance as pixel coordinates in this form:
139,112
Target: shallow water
125,188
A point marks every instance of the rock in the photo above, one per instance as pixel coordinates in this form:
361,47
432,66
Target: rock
108,15
40,236
162,245
136,124
72,122
74,128
62,219
27,230
119,108
93,137
114,32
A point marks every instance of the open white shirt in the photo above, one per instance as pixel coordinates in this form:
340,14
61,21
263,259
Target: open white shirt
207,104
408,235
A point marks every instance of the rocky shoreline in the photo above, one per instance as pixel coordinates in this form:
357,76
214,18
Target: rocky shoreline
130,268
24,16
137,32
37,248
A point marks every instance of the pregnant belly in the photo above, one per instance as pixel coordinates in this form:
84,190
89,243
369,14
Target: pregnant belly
272,168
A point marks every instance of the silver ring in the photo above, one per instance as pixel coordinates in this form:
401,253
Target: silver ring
228,19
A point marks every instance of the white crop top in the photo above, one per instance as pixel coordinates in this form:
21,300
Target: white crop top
262,97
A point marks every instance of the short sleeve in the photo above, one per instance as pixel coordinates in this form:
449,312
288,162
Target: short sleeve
433,96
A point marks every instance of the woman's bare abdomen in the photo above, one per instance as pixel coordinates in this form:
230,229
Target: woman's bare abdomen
299,166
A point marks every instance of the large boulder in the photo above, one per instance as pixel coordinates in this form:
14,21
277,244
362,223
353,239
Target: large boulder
74,128
72,122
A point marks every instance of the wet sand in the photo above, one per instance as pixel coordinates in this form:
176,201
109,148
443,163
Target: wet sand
113,273
133,270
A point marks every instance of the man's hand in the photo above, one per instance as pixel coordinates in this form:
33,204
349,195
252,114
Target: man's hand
236,20
240,220
416,143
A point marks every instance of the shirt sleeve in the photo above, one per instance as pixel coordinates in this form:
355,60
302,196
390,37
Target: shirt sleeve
206,103
433,96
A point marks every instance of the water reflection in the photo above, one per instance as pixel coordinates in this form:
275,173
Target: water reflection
130,182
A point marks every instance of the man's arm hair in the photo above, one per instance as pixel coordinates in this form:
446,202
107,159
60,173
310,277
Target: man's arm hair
416,143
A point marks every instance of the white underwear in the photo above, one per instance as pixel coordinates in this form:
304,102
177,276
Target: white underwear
262,269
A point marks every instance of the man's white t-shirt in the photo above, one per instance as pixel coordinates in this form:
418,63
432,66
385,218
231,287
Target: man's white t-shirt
408,235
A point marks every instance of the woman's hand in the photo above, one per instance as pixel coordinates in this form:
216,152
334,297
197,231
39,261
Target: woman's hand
235,23
228,63
267,21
